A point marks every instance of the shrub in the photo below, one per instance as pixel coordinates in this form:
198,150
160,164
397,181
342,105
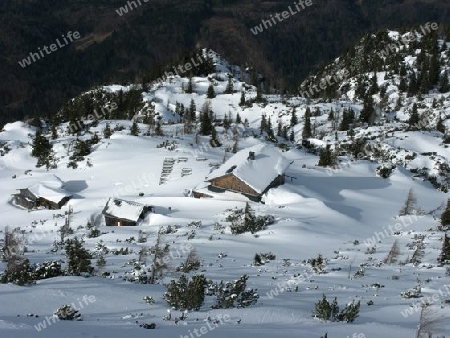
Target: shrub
66,312
330,311
318,264
245,220
191,263
233,294
79,259
186,294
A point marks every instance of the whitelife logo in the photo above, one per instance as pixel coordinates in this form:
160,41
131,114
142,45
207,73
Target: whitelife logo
33,57
124,9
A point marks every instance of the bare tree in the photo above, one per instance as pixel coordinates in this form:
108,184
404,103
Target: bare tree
393,253
410,204
429,323
12,253
159,254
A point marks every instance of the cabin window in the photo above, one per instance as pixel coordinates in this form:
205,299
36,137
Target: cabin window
119,223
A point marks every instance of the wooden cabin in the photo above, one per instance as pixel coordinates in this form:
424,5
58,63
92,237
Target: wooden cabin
47,194
119,212
250,172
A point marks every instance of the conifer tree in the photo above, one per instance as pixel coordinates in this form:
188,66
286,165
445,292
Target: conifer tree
158,129
134,130
445,217
331,115
294,119
444,86
368,113
229,89
214,141
440,126
190,88
412,86
414,117
307,127
210,94
205,120
263,124
326,158
226,122
279,128
79,259
192,110
42,149
238,118
242,103
107,131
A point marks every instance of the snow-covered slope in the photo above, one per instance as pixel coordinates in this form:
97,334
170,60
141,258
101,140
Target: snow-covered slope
348,214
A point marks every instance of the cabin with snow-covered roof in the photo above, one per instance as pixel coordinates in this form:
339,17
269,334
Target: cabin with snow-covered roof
47,194
119,212
251,172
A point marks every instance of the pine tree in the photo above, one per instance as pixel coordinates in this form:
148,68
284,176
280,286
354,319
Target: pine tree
259,97
444,85
445,217
440,126
402,84
158,129
284,133
263,124
331,115
414,117
192,110
134,130
79,259
54,132
249,218
190,88
307,127
326,158
107,131
368,113
279,128
229,89
412,86
294,119
238,118
226,123
42,149
214,141
242,103
292,135
205,120
373,85
210,94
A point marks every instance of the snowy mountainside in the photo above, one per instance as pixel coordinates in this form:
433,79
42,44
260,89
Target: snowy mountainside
343,212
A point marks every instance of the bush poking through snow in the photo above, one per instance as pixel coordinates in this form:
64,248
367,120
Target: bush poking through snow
263,258
186,294
233,294
192,262
330,311
318,264
66,312
245,220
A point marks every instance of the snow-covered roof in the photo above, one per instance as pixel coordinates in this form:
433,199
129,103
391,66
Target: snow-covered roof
50,190
124,209
257,173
